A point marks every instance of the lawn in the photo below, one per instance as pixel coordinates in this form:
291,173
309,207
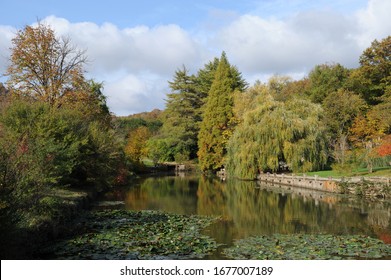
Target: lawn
377,172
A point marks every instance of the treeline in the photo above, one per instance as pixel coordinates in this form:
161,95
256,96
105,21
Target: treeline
334,118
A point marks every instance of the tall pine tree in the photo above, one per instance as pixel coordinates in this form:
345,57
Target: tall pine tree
182,116
206,75
217,115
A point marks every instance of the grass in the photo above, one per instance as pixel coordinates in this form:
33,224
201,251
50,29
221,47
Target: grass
377,172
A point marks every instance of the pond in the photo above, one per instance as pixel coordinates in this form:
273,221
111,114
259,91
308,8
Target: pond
247,209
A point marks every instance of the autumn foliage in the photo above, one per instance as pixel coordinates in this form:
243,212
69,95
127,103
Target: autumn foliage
385,147
43,66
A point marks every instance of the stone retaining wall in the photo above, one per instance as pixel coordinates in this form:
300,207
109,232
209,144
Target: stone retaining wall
371,186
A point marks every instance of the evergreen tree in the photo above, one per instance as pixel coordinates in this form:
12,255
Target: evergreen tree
206,75
182,115
217,117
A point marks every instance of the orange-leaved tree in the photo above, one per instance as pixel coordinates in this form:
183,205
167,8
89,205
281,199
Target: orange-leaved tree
385,146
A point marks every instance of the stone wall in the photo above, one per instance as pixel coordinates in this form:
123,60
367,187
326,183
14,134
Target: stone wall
371,186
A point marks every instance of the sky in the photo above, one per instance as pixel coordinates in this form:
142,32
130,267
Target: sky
134,47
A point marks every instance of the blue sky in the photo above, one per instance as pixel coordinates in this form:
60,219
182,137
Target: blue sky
187,14
119,12
134,47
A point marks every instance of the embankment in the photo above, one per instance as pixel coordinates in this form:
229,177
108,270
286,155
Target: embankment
378,187
23,238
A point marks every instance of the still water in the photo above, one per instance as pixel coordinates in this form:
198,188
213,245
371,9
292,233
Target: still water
253,208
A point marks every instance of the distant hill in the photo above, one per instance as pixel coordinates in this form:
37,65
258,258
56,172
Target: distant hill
155,114
151,120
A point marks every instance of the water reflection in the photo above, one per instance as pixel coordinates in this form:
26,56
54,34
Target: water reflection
251,208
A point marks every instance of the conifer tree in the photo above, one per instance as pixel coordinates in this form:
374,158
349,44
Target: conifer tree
182,115
206,75
217,117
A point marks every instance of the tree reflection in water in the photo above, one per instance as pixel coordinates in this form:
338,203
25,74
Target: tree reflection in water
251,208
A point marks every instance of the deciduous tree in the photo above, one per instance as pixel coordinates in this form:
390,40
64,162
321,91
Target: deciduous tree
44,66
136,147
275,134
373,77
366,135
340,110
376,68
385,146
325,79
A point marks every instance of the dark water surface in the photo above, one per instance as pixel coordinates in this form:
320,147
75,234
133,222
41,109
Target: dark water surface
253,208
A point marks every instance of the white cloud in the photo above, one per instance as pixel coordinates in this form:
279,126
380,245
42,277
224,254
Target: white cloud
132,94
293,45
160,50
374,22
135,62
6,35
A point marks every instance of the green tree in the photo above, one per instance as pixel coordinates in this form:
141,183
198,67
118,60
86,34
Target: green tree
182,115
340,110
245,101
275,134
159,150
325,79
381,111
45,147
217,118
374,74
206,75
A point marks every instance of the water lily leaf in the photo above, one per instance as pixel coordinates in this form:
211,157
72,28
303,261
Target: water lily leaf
298,246
122,234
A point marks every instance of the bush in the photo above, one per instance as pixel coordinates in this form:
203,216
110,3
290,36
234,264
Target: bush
42,147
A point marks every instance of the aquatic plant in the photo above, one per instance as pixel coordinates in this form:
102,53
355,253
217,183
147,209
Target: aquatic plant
307,247
122,234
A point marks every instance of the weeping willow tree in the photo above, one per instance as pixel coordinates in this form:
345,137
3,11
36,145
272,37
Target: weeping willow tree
277,133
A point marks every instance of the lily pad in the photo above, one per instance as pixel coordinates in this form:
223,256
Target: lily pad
123,234
305,246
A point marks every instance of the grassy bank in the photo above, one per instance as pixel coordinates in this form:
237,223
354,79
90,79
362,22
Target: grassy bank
377,172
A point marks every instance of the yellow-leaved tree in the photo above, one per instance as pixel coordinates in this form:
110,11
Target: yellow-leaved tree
136,148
